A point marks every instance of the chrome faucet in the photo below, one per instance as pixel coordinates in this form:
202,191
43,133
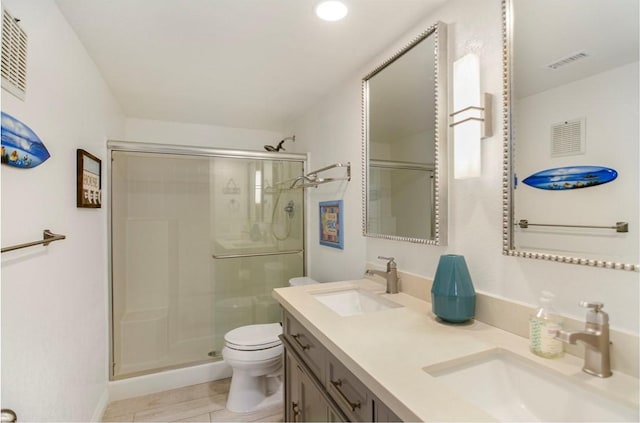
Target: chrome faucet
596,340
391,275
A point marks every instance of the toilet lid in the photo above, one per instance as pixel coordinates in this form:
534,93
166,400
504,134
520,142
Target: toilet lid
302,280
254,337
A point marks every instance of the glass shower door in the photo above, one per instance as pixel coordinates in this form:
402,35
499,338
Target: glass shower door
257,232
198,243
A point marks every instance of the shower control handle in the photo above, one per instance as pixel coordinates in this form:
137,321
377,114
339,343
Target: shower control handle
290,209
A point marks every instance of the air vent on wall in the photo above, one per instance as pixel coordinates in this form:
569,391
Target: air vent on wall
566,60
568,138
14,56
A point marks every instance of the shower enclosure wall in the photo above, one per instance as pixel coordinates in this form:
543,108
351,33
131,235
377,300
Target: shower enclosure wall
199,239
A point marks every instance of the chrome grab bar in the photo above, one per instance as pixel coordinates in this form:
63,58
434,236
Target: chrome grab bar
47,238
313,180
272,253
352,405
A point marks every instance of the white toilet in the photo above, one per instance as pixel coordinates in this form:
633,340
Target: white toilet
254,352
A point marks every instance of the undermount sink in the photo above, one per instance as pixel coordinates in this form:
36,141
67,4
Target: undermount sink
351,302
513,388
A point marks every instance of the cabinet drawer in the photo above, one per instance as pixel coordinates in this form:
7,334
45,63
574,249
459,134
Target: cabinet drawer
346,390
308,347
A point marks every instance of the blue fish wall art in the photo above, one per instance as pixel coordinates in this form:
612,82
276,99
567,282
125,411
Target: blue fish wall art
21,147
571,177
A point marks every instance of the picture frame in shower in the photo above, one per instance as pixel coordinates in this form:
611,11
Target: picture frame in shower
89,180
331,224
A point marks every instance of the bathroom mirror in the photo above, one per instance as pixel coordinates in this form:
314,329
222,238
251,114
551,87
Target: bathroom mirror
404,143
571,154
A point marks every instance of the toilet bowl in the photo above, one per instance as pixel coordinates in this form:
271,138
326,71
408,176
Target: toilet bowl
254,352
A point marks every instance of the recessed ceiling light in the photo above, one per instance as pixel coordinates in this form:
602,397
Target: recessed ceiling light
331,10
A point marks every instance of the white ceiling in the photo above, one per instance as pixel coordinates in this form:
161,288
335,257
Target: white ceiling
239,63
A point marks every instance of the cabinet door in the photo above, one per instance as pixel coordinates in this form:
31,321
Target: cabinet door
305,400
349,392
382,413
314,406
291,391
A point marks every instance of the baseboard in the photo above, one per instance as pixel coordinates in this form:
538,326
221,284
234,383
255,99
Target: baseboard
101,406
170,379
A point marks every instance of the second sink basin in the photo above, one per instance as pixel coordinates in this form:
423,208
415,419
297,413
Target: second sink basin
514,388
351,302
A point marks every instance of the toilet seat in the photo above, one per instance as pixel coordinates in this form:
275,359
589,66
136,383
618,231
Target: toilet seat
254,337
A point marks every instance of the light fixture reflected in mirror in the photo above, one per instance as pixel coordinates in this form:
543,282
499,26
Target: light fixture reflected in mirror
472,117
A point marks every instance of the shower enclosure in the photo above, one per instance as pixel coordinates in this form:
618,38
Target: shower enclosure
199,239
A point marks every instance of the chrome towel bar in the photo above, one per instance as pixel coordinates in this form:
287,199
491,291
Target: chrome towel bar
47,238
619,226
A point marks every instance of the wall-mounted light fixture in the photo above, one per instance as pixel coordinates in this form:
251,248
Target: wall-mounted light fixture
472,122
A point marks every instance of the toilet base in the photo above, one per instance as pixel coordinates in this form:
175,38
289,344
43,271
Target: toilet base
249,393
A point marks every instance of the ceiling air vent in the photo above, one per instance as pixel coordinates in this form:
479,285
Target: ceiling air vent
568,138
566,60
14,56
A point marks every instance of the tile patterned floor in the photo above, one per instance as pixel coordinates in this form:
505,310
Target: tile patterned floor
197,403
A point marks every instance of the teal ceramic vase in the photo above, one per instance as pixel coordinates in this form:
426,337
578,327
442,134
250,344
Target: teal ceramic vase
452,295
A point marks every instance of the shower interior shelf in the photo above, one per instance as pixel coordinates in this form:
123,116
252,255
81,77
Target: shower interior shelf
312,179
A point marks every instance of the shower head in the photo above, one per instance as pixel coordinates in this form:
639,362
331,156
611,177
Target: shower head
280,147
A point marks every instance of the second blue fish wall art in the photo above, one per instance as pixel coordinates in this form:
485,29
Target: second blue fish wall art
571,177
21,147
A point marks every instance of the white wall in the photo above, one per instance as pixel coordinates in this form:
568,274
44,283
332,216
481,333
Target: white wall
176,133
54,299
332,131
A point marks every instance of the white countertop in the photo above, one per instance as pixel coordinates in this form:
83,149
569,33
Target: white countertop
388,349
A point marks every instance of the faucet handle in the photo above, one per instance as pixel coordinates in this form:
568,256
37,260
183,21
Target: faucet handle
390,262
595,314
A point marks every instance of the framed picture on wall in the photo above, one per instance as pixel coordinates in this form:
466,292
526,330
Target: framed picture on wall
89,180
331,224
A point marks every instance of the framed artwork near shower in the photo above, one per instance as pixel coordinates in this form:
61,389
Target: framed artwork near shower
331,224
89,180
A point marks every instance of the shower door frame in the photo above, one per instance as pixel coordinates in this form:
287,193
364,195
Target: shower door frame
183,150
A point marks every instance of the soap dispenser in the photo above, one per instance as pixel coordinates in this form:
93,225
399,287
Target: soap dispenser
543,327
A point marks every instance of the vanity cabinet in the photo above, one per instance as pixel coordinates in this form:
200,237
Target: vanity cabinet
318,387
305,399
